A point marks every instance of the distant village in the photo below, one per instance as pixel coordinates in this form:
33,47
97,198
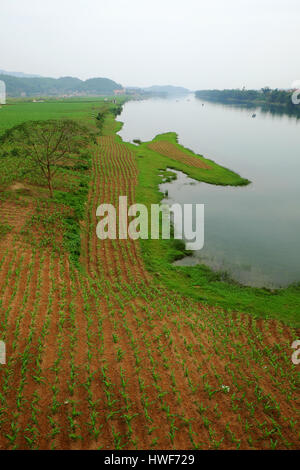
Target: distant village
135,92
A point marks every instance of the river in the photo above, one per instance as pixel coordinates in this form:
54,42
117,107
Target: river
252,232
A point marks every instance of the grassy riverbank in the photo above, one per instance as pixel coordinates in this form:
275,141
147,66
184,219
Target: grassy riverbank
200,282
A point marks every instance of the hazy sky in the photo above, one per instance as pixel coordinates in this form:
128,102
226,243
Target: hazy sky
194,43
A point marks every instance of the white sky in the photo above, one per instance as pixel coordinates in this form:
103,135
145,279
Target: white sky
193,43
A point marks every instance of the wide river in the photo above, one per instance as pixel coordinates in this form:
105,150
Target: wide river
251,232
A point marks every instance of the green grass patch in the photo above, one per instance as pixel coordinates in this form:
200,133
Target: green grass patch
218,174
76,201
84,110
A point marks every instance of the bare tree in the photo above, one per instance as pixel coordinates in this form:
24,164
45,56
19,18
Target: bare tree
45,144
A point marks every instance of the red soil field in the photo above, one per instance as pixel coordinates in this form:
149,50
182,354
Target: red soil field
104,358
170,150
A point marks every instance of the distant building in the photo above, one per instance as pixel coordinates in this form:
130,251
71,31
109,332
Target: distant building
133,91
119,92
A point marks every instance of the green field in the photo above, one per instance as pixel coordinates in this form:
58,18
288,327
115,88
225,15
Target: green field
85,109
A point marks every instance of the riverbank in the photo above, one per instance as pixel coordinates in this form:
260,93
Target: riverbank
200,282
273,101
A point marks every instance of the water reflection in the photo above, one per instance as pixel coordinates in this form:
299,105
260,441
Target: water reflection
266,109
240,240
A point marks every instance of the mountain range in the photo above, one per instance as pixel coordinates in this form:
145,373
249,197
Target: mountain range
70,86
22,84
17,74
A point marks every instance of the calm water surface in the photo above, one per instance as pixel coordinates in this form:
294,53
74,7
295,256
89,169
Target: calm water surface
251,232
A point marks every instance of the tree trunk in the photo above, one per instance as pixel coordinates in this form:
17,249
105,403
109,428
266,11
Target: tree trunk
50,182
50,188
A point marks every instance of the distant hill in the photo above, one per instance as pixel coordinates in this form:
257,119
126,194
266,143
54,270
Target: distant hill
17,74
167,89
42,86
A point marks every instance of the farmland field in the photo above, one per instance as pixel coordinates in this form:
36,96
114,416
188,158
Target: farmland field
169,150
103,352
